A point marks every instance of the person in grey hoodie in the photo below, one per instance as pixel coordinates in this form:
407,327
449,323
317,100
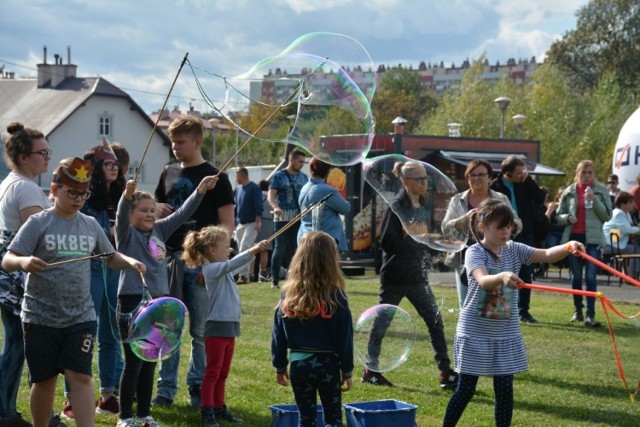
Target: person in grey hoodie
138,232
210,246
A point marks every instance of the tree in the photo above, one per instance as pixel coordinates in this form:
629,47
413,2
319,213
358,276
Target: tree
606,40
401,94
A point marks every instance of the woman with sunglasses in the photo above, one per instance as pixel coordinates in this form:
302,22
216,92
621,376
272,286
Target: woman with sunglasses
404,271
461,207
107,185
27,154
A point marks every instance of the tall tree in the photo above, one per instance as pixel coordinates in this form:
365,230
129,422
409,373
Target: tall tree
606,40
401,94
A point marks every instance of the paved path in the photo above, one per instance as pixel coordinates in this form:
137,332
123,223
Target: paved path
624,293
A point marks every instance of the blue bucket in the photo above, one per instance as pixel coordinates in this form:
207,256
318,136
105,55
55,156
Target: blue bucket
288,416
380,413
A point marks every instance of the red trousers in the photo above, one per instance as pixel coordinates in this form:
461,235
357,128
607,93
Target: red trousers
219,352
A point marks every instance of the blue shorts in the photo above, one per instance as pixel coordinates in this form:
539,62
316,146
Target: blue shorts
49,351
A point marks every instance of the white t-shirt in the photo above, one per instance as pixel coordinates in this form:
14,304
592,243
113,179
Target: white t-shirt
17,192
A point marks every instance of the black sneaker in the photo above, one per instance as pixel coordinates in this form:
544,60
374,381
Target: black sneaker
448,380
375,378
55,421
525,317
208,417
15,420
195,396
591,322
162,401
274,286
223,413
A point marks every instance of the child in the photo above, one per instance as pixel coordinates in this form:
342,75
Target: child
489,342
314,321
140,235
210,246
58,316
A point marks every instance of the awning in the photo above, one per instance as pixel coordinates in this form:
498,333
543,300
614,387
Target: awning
464,157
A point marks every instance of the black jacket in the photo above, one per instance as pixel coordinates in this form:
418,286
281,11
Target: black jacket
528,194
404,260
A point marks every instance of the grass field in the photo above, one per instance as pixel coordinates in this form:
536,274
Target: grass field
572,378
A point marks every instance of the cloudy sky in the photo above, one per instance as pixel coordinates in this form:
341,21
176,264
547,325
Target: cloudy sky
139,45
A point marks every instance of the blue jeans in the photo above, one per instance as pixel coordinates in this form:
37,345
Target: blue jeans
526,273
110,362
575,268
285,243
196,299
11,362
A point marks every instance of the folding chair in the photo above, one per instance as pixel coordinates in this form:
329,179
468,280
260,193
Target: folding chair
618,260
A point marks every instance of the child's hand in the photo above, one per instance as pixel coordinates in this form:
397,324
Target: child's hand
130,188
510,279
207,183
574,246
138,266
347,383
283,379
262,246
32,264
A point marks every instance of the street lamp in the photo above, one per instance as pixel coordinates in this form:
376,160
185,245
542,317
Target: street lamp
454,129
398,124
503,102
519,120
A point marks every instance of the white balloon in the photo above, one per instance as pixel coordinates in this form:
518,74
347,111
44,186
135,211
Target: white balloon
626,155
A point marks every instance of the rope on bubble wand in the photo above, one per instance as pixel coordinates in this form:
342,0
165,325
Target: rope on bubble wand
300,216
155,125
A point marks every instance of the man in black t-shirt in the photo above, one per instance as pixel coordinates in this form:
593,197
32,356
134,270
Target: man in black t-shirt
177,182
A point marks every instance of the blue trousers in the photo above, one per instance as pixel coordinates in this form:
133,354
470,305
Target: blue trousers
11,362
196,299
285,245
576,265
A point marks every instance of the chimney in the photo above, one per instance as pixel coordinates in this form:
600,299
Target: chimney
44,71
68,55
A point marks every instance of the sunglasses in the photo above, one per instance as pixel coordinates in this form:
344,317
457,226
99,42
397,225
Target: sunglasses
612,182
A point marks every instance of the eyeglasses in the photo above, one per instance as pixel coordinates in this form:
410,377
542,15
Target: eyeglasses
612,182
418,179
46,154
111,165
477,175
73,194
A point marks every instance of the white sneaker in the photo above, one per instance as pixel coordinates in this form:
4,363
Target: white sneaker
127,422
148,421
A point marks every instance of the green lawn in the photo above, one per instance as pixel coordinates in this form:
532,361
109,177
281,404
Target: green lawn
572,378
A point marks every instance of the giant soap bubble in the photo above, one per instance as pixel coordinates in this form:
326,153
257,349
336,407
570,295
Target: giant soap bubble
423,223
384,337
156,330
320,86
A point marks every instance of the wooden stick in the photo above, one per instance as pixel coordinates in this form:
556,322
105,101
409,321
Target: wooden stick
155,125
105,254
299,216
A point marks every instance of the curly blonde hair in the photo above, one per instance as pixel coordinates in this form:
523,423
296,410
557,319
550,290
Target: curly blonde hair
196,243
314,278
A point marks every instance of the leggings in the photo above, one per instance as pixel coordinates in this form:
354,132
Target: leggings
503,408
319,373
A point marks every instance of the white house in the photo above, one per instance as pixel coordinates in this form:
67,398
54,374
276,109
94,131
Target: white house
75,113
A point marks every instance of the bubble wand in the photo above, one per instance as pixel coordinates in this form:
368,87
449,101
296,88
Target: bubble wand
299,216
104,254
251,136
155,125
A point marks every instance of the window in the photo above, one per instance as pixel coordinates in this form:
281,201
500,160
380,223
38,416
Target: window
104,125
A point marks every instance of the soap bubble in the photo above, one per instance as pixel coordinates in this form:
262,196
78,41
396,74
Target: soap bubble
423,224
156,330
331,78
384,337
